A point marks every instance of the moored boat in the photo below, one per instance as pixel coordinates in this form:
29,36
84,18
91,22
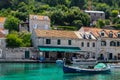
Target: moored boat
99,68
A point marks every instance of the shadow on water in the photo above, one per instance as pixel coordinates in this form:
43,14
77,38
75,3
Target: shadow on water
85,76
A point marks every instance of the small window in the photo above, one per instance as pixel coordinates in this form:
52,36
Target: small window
118,35
90,37
84,37
35,26
69,42
93,44
88,44
112,43
118,43
35,17
103,43
101,14
58,41
102,34
48,41
111,35
82,44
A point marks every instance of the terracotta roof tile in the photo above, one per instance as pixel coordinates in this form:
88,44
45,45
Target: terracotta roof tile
2,19
39,17
96,31
56,34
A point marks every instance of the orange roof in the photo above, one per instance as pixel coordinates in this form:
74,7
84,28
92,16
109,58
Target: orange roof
56,34
39,17
2,19
96,31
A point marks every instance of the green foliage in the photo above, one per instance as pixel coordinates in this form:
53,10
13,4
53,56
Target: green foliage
100,23
77,23
107,22
11,23
114,13
21,39
61,12
70,28
78,3
13,40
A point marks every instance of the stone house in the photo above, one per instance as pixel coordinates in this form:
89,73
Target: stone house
95,15
55,43
39,22
107,43
89,42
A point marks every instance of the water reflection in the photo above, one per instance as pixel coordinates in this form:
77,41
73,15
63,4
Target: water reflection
37,71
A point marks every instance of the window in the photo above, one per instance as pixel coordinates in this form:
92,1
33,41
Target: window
118,43
88,44
82,44
110,34
90,36
102,34
112,43
101,14
58,42
69,42
35,26
48,41
93,44
84,37
118,35
103,43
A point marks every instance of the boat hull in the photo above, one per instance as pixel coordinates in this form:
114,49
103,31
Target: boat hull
69,69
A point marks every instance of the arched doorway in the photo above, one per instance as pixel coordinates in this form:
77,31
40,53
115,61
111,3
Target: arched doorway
110,56
101,57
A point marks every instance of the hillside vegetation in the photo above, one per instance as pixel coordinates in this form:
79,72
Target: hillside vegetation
62,12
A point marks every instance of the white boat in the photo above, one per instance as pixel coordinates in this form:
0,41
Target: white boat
115,65
84,61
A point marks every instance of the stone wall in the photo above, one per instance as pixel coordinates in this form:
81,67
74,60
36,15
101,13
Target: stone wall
19,53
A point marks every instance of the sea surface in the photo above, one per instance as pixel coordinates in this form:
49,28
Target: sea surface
48,71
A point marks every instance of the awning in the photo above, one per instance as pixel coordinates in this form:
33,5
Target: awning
59,49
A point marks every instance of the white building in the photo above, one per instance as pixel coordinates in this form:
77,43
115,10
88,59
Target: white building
39,22
88,42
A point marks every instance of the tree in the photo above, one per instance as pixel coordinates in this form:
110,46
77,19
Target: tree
114,13
104,7
11,23
13,40
77,23
78,3
18,39
100,23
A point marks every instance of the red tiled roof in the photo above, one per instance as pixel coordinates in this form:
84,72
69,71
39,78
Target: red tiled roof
39,17
2,19
96,31
56,34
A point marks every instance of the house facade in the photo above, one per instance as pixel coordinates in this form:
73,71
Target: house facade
95,15
39,22
88,42
3,34
55,44
107,43
2,22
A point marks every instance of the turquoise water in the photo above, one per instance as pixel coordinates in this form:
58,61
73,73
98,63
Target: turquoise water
38,71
